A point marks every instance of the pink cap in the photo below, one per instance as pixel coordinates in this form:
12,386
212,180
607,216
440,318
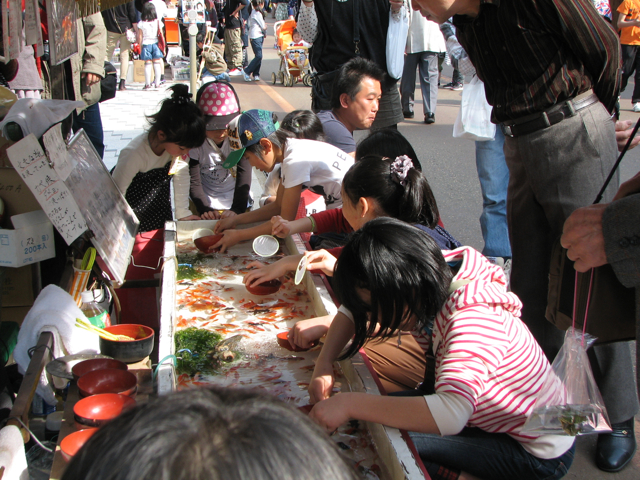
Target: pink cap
219,105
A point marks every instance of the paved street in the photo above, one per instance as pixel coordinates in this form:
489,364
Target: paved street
449,164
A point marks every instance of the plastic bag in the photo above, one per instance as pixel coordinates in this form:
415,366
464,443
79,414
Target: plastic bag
569,402
474,118
396,41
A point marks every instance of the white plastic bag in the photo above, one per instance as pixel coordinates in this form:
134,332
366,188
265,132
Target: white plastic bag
396,41
474,118
569,402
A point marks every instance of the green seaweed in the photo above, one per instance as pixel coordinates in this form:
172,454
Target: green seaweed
187,272
199,342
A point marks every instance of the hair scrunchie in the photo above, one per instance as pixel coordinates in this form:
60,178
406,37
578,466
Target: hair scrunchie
400,168
181,99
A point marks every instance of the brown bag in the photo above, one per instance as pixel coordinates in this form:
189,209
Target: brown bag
611,314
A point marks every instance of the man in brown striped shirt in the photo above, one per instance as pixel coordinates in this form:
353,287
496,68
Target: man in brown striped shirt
551,70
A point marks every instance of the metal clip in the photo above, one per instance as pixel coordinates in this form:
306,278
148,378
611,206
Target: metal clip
545,117
572,110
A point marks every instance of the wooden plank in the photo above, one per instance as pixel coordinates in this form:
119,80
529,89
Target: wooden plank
22,405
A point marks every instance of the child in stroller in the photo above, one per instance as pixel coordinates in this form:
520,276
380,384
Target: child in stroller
294,56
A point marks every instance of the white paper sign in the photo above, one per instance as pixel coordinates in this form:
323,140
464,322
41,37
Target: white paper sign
57,151
53,195
33,32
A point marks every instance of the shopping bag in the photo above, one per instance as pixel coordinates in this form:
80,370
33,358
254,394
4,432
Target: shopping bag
396,41
569,402
474,118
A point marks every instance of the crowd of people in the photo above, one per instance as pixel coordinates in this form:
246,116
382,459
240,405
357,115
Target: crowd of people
458,337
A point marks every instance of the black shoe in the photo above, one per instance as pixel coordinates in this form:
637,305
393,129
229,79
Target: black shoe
122,87
407,114
616,449
430,118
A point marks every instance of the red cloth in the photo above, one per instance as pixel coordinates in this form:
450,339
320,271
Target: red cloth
331,221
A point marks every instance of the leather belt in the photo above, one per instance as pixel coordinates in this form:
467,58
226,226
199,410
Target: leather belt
556,114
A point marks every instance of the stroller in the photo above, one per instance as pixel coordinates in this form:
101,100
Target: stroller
294,61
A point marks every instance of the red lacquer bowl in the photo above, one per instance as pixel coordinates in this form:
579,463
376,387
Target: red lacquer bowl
204,244
73,442
128,351
108,380
82,368
97,410
283,341
265,288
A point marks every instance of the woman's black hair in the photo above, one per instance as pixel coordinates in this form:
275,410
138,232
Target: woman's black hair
404,272
304,124
148,12
413,202
179,119
210,434
387,142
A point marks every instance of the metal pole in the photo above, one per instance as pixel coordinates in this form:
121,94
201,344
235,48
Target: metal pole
193,59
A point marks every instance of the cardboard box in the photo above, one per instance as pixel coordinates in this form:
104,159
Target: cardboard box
31,241
16,196
14,314
138,71
20,286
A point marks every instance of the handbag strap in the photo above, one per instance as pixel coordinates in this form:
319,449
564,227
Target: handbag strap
586,308
356,27
615,166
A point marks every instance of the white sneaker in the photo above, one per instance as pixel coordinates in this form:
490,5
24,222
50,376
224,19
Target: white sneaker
247,78
636,107
256,78
235,72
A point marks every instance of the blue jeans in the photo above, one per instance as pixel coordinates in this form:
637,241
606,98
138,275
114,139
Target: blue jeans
488,455
256,63
91,121
150,52
494,181
224,76
427,62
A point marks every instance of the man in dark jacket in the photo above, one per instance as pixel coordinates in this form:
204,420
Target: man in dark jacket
118,21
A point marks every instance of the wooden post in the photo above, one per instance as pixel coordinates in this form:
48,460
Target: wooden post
21,407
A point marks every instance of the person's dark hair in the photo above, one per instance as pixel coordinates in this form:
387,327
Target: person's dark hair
200,39
179,119
413,202
404,271
350,76
387,142
304,124
210,434
148,12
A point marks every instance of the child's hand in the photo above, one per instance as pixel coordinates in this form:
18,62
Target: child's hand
210,215
321,383
229,239
306,332
321,260
190,217
263,273
228,213
280,227
224,224
332,412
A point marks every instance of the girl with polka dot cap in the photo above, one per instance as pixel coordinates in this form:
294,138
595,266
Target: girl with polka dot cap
218,192
152,160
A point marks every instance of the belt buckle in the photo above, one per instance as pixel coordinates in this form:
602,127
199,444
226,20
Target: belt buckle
506,129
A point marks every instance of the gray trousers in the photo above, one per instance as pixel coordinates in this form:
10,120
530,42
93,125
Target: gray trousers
553,172
427,63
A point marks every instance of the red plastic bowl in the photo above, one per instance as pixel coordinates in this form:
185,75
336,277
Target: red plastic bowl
82,368
107,380
204,244
265,288
128,351
97,410
73,442
283,341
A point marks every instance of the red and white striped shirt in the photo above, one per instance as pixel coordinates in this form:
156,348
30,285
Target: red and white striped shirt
486,356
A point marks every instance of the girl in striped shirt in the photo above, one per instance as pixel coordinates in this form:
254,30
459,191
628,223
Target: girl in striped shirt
488,367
